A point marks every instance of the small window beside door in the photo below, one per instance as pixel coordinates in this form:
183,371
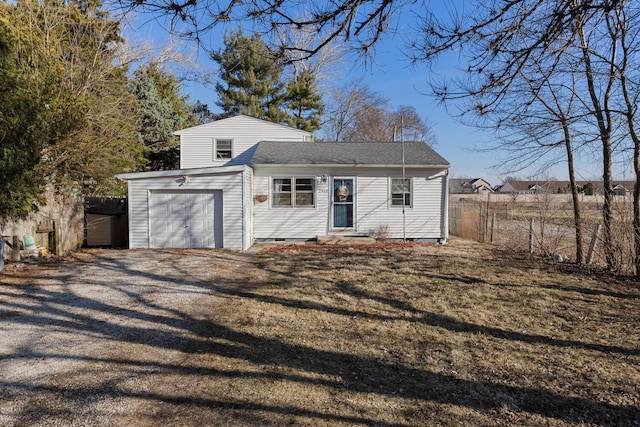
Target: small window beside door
222,149
401,192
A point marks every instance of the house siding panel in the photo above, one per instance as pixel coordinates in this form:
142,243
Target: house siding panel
247,190
196,151
422,220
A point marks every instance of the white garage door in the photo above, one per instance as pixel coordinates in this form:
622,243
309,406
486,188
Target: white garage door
185,219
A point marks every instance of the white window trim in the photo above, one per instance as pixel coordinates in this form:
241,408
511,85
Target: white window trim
293,192
215,149
411,193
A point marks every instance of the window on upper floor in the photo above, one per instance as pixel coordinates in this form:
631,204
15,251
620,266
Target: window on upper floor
223,149
400,191
293,192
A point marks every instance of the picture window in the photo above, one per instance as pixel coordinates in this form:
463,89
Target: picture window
293,192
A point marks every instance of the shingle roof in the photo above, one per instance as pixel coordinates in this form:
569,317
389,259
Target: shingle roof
346,153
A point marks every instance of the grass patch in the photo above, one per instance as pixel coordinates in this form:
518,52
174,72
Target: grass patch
462,334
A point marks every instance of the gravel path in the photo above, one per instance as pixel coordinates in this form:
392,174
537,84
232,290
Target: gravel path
80,338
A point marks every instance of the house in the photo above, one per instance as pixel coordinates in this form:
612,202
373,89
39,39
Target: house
469,186
244,180
621,190
512,186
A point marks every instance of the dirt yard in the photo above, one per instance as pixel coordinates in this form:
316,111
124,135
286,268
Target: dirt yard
461,334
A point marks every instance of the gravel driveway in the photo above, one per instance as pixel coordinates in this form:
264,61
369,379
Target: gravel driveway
82,339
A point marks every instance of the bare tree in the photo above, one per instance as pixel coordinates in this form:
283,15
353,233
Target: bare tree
344,105
536,122
356,23
572,43
358,113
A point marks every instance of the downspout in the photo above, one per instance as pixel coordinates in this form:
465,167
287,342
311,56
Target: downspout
445,209
404,220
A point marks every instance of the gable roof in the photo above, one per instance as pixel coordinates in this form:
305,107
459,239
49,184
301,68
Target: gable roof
239,119
346,153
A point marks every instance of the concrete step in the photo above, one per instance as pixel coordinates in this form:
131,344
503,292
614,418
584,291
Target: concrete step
345,240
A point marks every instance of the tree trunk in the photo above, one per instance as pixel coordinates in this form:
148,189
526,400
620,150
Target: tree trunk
577,217
602,113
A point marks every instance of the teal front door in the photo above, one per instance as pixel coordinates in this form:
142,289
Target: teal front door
343,203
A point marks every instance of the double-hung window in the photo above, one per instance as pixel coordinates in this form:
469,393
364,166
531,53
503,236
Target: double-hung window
293,192
400,191
222,149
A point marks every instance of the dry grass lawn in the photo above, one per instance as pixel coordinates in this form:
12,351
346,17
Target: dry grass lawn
461,334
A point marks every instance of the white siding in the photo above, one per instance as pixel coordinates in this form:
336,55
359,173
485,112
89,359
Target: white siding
289,223
196,143
424,219
247,190
233,213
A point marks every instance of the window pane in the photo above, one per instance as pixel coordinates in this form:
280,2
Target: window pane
282,184
281,199
397,187
343,191
281,194
223,149
304,184
304,199
396,200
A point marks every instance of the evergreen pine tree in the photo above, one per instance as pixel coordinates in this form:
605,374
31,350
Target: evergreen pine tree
161,110
304,102
251,79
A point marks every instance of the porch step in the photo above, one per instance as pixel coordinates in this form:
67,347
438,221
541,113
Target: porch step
345,240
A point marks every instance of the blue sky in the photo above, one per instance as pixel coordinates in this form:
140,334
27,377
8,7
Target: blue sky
393,77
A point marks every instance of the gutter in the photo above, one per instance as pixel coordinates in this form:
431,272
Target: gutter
181,172
338,165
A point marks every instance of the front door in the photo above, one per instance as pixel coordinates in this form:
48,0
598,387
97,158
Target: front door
343,203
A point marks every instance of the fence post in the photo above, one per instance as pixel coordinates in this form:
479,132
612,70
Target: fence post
531,223
493,224
592,246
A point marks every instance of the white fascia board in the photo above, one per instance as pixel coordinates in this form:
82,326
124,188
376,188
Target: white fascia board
346,165
182,172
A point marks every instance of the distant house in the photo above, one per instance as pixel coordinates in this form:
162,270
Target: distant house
479,185
561,187
513,187
244,180
469,186
621,190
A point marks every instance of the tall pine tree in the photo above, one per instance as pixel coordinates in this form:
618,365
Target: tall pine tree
251,79
304,103
161,110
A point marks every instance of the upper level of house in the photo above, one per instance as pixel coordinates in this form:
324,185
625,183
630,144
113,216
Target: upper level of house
231,141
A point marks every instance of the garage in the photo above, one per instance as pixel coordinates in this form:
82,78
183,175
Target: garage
185,219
